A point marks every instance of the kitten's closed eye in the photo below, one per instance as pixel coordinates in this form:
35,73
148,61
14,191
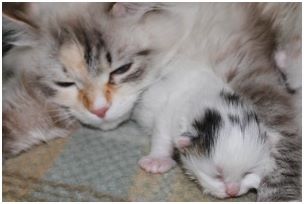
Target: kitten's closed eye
64,84
122,69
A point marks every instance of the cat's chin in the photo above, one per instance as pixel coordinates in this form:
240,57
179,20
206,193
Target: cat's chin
104,124
108,124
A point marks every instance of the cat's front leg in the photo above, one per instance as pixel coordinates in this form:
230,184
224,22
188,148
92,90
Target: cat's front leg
159,160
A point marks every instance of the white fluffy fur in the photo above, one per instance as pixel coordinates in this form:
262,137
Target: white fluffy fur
242,158
169,107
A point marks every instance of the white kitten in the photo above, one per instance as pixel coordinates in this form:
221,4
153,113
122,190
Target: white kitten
218,134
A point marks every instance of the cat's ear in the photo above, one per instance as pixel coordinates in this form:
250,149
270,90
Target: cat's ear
18,24
124,9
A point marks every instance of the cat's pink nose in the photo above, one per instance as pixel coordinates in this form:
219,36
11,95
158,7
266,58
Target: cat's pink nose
232,189
101,112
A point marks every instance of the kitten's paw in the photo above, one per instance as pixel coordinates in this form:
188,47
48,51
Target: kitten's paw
156,164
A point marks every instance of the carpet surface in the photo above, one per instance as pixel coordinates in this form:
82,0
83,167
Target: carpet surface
92,165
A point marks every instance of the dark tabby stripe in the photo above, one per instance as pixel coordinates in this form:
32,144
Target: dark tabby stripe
230,98
86,35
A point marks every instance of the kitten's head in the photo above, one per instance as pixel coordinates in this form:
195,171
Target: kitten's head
229,164
86,58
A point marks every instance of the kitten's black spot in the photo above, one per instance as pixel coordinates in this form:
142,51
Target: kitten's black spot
230,98
207,128
234,119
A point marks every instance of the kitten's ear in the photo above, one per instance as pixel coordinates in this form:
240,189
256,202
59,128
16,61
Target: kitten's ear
184,141
18,24
124,9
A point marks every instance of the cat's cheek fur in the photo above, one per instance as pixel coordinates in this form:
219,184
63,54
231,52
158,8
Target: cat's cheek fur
212,186
120,107
69,98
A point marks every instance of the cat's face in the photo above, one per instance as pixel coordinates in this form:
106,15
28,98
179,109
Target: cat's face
95,69
74,71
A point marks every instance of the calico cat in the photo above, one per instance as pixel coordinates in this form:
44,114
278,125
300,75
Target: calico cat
68,60
221,140
62,77
63,65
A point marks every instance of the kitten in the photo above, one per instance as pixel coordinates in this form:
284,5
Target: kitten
213,128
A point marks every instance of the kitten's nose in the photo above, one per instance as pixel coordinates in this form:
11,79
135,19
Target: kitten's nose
101,112
232,189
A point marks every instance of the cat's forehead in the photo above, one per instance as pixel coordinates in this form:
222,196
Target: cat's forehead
124,41
80,48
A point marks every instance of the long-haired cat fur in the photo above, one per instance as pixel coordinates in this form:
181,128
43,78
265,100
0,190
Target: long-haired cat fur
140,40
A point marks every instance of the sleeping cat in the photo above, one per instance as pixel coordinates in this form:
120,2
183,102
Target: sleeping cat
217,133
226,154
63,64
62,77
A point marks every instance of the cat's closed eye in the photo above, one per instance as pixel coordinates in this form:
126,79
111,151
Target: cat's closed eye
64,83
122,69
